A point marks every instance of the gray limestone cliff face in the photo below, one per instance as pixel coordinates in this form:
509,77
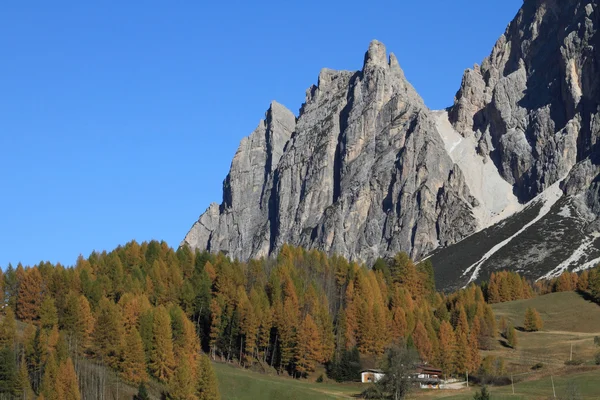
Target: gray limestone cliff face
364,174
533,104
241,221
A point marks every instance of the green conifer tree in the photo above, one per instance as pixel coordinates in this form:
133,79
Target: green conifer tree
207,386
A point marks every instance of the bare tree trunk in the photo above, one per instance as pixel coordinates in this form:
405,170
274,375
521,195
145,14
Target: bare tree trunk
241,347
274,349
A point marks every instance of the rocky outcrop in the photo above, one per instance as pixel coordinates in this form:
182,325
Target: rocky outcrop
533,103
241,221
364,174
367,170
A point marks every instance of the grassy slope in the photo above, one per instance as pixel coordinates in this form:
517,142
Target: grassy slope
588,384
568,320
238,384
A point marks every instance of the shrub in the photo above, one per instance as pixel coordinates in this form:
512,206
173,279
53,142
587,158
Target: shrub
482,395
320,379
492,371
574,362
537,366
372,392
511,337
597,358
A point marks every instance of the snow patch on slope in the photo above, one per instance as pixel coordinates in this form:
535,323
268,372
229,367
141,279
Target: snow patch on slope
588,265
581,252
565,211
549,197
494,194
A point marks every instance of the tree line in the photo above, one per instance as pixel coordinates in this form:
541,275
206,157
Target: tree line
587,281
143,308
140,307
93,325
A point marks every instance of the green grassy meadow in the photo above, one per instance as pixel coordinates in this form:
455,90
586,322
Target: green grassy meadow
238,384
587,383
569,322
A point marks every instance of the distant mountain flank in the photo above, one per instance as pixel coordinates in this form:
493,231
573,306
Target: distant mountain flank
505,178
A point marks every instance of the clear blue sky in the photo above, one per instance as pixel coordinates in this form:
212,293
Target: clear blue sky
119,121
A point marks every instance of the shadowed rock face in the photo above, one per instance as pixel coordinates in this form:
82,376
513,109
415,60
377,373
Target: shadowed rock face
364,174
240,225
533,103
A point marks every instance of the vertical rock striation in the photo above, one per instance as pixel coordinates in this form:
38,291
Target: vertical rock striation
364,174
240,225
533,103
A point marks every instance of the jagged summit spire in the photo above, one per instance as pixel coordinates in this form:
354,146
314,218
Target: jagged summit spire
376,55
277,108
336,177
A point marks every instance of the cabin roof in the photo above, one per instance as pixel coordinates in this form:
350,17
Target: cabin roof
428,369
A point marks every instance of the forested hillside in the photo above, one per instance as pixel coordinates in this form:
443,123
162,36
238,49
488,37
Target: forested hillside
153,314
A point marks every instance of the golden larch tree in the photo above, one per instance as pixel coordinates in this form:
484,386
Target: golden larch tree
67,381
422,342
462,359
162,359
564,283
183,383
309,346
584,281
8,328
85,323
207,387
462,324
133,360
249,325
264,336
29,296
287,325
381,321
51,388
493,290
447,347
474,356
399,325
108,332
511,337
48,314
533,320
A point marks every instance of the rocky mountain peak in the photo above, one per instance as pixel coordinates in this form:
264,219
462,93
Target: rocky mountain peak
530,103
376,55
367,170
361,172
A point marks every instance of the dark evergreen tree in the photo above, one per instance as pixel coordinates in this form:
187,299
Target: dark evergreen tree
9,376
346,367
142,393
483,394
